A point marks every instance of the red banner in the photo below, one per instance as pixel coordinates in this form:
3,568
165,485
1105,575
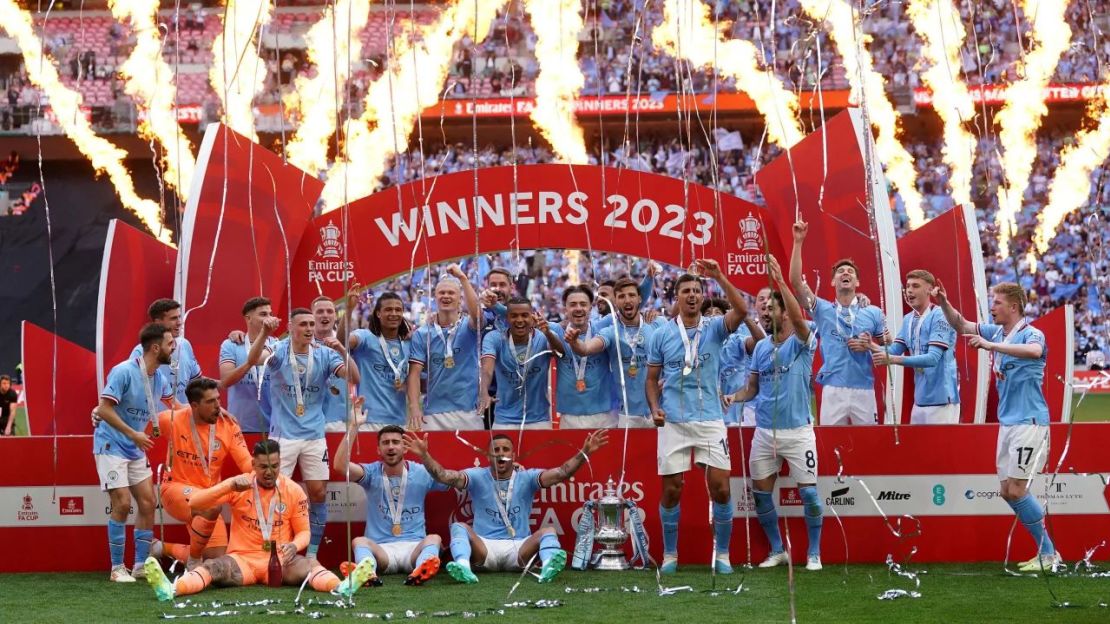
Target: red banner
53,513
244,219
61,383
532,207
960,269
135,270
824,182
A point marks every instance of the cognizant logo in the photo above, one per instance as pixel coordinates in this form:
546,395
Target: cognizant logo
974,494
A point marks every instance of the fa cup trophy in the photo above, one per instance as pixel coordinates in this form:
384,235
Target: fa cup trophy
602,521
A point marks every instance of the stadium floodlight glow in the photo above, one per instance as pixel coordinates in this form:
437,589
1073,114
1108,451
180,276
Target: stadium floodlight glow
687,32
869,89
66,105
938,23
150,81
1025,108
332,44
395,100
560,78
237,73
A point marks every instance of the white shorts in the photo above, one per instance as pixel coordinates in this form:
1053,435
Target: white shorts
935,414
603,420
502,555
400,556
508,427
461,420
708,440
635,422
1022,451
311,455
117,472
797,446
848,406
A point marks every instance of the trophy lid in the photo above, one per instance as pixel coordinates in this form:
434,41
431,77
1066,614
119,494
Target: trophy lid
609,494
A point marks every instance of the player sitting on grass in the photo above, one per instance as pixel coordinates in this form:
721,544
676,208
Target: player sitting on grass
268,511
502,497
395,539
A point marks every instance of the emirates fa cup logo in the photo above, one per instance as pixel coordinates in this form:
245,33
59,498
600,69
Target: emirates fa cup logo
330,246
750,237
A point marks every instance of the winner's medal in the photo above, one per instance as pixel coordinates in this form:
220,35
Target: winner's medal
394,499
632,370
266,546
580,385
300,409
449,362
397,384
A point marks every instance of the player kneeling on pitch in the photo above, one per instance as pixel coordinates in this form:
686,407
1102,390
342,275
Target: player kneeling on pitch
779,381
268,511
395,539
502,497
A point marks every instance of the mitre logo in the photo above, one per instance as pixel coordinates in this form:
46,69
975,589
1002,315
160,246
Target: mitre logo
750,237
330,246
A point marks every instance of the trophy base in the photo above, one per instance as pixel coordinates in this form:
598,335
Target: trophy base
614,562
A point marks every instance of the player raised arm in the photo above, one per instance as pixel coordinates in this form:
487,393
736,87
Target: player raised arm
951,314
738,305
473,306
805,295
594,441
342,461
553,341
581,348
230,374
418,445
1028,351
793,309
749,391
217,495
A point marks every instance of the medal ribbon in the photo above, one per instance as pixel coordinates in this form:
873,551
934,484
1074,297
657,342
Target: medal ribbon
502,505
851,310
296,377
634,340
388,358
521,365
265,521
449,339
580,362
689,347
996,358
395,503
148,390
204,459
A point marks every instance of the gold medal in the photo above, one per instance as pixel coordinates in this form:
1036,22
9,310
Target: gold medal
396,529
266,546
632,370
300,409
512,533
449,362
580,385
397,384
686,370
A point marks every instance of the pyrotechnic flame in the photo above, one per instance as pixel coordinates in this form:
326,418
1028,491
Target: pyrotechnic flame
687,30
938,23
1025,107
333,52
66,105
237,73
394,101
865,81
1071,186
558,24
150,82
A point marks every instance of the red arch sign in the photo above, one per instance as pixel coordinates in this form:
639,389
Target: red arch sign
531,207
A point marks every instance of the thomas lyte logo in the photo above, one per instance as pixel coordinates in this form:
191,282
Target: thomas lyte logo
748,257
330,267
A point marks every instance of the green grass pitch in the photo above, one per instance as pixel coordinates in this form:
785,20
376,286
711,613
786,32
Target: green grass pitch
949,593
